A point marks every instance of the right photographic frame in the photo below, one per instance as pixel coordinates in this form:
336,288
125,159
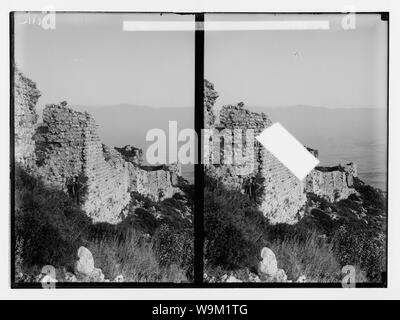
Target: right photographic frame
296,149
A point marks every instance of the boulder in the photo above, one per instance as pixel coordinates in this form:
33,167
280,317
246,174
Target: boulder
96,275
48,269
224,278
70,277
119,278
47,275
268,266
254,278
280,276
232,279
85,264
301,279
47,280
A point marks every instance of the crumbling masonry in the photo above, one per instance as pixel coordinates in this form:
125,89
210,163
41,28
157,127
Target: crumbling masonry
66,152
283,194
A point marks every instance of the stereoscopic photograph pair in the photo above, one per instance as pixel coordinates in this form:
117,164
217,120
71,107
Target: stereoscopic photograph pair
198,150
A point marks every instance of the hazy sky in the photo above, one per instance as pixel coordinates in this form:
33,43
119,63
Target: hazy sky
329,68
89,60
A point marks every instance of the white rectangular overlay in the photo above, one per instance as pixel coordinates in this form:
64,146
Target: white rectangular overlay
225,25
288,150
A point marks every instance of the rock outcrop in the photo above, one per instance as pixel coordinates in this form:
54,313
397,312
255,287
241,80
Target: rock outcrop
26,96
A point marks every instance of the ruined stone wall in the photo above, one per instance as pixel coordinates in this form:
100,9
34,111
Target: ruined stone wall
283,194
155,183
131,154
26,96
68,146
59,145
332,183
66,152
108,179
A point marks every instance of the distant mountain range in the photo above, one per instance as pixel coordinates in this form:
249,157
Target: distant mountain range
319,127
314,126
124,124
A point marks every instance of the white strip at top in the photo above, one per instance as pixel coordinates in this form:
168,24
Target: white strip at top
225,25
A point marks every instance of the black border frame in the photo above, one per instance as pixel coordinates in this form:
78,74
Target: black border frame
199,172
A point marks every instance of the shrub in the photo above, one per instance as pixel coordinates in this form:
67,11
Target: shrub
145,202
175,218
175,247
323,222
189,191
349,204
362,247
321,202
357,235
372,197
49,221
19,260
141,220
317,246
254,188
232,228
235,232
77,188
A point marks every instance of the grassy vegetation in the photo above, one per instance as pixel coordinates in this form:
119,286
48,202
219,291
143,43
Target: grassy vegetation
50,227
330,236
311,257
135,258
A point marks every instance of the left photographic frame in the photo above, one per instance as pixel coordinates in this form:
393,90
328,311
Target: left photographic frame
102,149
